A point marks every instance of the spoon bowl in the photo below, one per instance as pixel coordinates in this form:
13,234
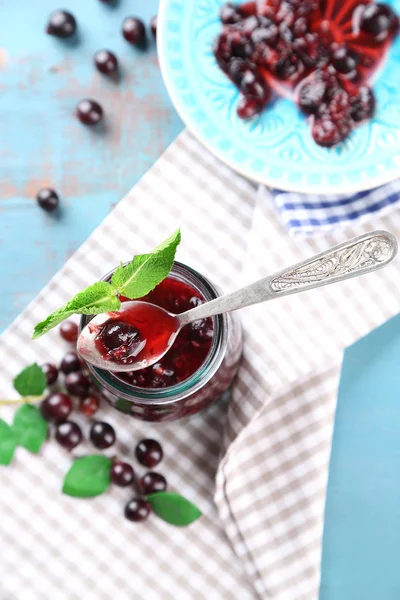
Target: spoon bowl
132,338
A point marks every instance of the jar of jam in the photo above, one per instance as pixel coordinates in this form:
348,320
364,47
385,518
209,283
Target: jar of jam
195,372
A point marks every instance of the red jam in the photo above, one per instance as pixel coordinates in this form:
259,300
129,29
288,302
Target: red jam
138,334
191,346
322,53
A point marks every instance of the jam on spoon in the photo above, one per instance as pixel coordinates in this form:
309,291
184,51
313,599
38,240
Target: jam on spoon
140,334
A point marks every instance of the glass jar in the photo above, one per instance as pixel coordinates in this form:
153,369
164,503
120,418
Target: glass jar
204,387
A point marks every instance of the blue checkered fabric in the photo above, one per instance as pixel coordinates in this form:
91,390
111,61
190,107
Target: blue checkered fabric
311,213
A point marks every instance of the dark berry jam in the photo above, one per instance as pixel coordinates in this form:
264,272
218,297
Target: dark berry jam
310,50
196,371
190,348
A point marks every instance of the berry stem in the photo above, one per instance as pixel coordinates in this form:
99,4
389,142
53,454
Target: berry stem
22,400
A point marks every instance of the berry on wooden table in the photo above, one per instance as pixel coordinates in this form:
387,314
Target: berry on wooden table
89,112
106,62
47,199
61,24
134,31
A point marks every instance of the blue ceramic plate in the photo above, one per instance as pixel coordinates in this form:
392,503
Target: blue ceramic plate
275,148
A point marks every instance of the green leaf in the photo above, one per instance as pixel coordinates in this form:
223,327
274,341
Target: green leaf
146,271
97,298
30,428
31,381
173,508
88,476
8,443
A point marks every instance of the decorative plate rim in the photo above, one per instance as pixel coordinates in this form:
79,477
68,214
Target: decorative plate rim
346,187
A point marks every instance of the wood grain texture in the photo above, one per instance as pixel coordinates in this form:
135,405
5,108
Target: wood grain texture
43,144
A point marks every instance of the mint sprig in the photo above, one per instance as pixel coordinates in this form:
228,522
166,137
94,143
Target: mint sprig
134,280
146,270
8,443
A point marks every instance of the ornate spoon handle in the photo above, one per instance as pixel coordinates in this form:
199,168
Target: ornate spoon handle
358,256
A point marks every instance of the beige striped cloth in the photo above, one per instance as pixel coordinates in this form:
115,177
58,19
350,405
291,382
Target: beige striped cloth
267,450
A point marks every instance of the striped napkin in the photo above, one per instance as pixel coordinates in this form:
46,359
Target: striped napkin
310,213
267,449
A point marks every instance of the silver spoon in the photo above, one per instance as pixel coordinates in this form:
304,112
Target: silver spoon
357,256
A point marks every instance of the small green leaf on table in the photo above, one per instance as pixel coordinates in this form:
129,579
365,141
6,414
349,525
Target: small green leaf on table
8,443
88,476
146,271
173,508
30,428
31,381
97,298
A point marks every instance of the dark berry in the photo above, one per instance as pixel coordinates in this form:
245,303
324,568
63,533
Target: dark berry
102,435
122,474
134,31
311,95
378,19
265,35
248,108
327,133
119,339
229,13
161,376
194,301
69,331
70,363
89,112
362,105
51,373
237,69
89,405
153,26
47,199
288,67
56,407
77,384
137,509
149,453
344,60
61,24
68,434
153,482
106,62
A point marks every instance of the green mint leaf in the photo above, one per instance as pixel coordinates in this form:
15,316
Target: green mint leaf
8,443
146,271
31,381
173,508
97,298
88,476
30,428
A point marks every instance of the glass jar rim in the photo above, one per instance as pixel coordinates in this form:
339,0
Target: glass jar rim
213,360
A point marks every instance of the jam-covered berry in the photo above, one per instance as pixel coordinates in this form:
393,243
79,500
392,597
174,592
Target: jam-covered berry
189,350
309,50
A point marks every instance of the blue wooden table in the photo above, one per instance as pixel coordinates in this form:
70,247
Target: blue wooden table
42,143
